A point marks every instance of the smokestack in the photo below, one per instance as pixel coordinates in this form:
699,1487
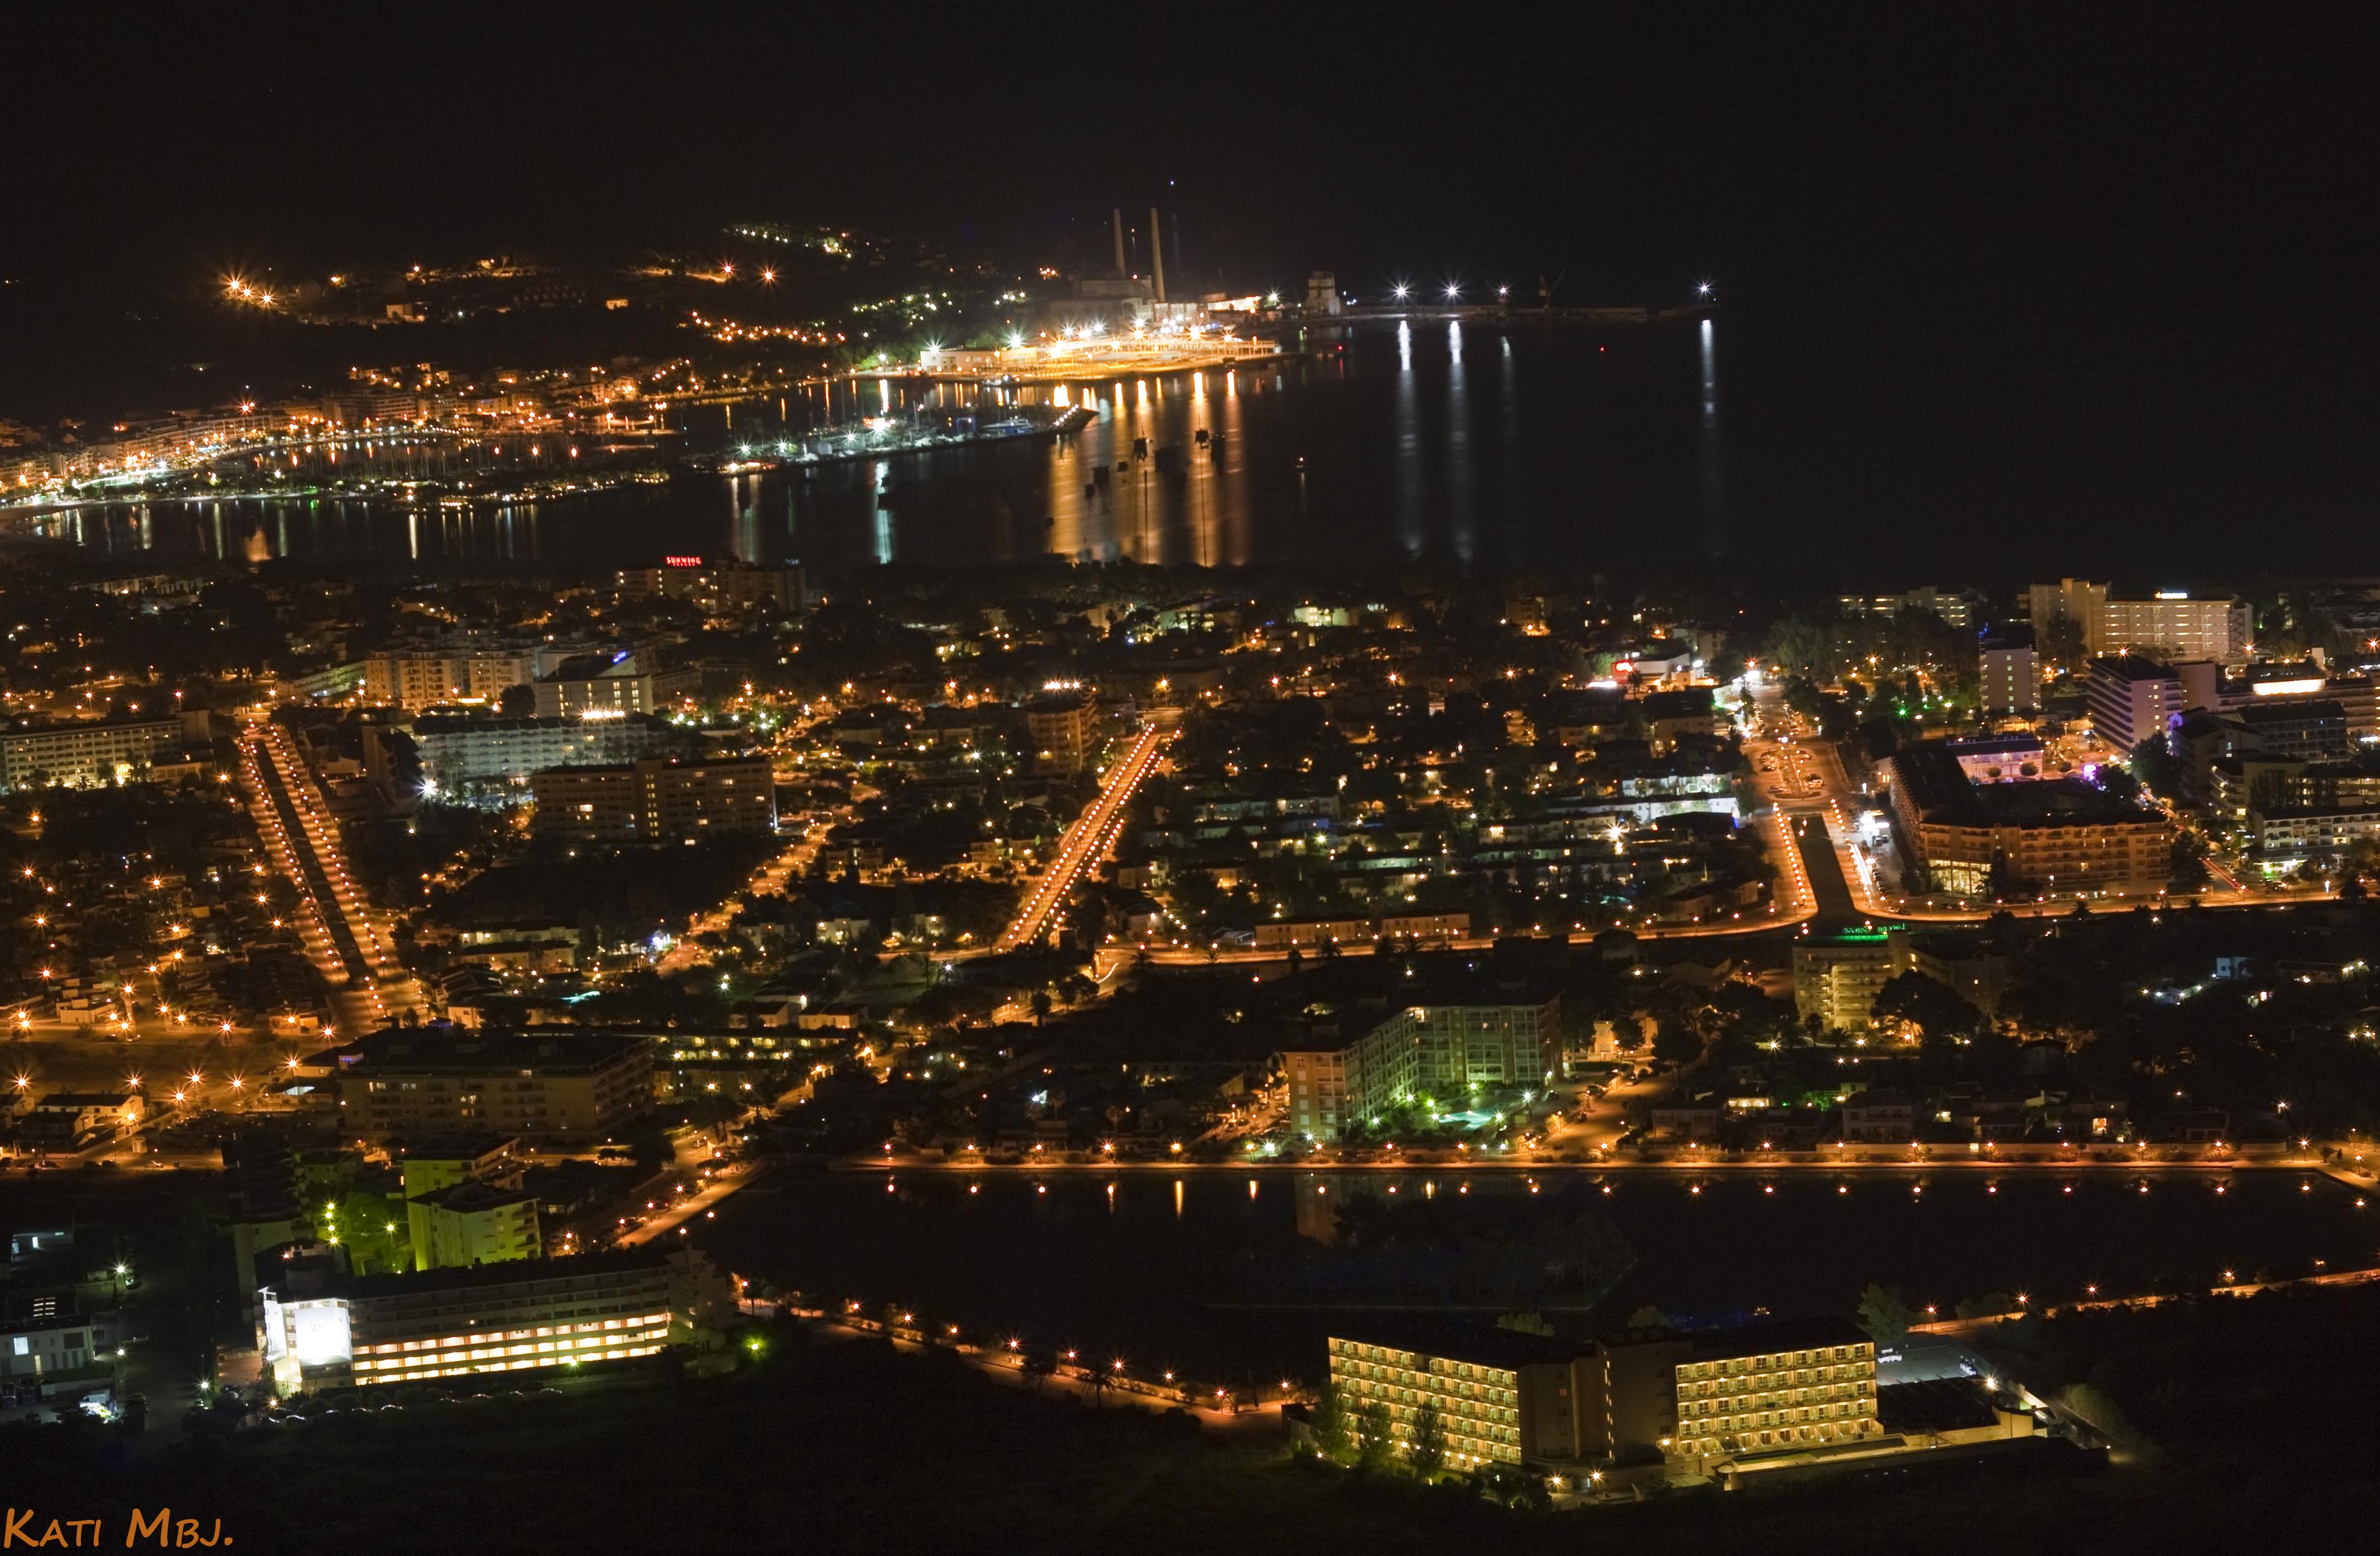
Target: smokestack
1157,252
1118,211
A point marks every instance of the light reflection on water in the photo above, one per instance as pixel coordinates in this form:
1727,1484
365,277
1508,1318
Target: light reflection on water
1365,453
1146,1260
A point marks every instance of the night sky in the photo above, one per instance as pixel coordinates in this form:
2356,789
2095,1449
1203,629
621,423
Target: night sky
2113,267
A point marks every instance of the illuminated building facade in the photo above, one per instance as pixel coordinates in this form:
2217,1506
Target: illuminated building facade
1438,1055
1836,977
320,1328
1775,1388
1483,1397
1064,727
82,753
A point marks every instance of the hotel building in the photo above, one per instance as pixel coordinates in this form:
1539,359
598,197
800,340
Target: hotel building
1427,1055
319,1326
1786,1387
1488,1400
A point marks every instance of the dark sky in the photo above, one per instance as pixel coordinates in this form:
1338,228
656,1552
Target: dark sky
2122,257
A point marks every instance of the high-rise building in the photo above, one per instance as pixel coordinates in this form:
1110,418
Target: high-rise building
2132,698
1836,977
463,1201
607,685
1063,725
2177,624
717,586
2008,674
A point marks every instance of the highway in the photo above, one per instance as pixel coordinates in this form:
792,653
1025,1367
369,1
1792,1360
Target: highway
1093,833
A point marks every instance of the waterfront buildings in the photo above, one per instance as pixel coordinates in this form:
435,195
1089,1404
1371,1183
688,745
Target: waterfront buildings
1836,977
656,800
1500,1396
718,588
319,1326
1440,1057
82,753
1693,1404
1793,1385
586,1086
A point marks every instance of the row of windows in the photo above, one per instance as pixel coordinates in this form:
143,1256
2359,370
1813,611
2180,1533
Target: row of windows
407,1374
1451,1407
1775,1359
478,1348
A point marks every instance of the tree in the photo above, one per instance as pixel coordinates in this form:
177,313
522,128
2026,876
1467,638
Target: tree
1648,1316
1375,1447
2059,640
516,702
1675,1043
1428,1455
1883,1315
2156,768
1525,1323
1333,1431
1935,1009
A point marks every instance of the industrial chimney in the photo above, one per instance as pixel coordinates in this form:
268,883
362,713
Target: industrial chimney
1156,253
1118,212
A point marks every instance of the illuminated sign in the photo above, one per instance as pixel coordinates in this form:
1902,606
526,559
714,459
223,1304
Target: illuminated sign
682,561
2173,594
2304,686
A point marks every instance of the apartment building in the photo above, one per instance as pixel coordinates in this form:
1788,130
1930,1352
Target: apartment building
409,1081
83,753
1437,1055
2132,698
717,587
2063,836
1063,726
607,685
1836,977
460,750
656,800
2009,675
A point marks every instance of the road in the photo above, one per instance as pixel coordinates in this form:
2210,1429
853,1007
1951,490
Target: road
1093,833
352,943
